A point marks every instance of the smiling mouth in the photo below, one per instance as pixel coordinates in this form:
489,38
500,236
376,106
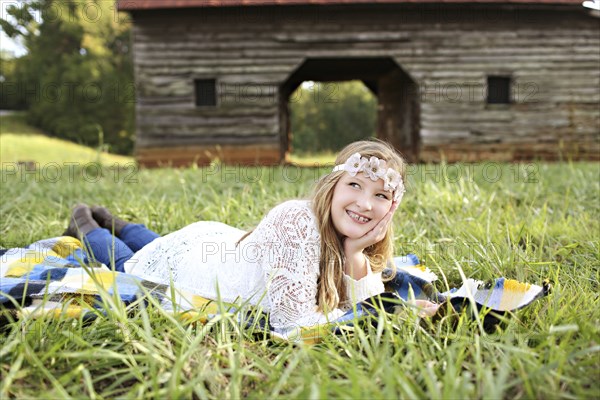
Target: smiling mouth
358,218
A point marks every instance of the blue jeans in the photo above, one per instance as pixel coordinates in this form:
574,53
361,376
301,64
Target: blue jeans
107,248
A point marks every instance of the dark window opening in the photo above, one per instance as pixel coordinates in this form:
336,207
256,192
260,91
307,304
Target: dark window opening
498,90
206,92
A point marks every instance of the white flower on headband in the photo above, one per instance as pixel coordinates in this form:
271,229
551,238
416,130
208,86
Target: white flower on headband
354,164
391,179
400,189
375,169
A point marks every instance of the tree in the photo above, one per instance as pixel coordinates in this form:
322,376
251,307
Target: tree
328,116
77,76
10,99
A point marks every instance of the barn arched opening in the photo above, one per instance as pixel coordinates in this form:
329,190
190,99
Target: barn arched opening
398,107
326,116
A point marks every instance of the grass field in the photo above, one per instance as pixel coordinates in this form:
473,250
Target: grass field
21,142
524,221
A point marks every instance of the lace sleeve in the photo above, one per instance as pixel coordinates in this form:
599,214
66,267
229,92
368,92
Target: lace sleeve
291,242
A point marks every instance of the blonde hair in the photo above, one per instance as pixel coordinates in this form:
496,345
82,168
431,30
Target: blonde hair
331,291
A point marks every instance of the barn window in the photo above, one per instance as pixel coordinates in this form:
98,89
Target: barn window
498,90
206,92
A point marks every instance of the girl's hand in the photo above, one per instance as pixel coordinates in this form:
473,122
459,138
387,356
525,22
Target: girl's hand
352,246
425,308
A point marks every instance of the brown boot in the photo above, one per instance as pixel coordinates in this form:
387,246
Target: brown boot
107,220
81,222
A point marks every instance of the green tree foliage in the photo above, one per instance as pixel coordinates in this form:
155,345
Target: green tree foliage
327,116
8,76
77,76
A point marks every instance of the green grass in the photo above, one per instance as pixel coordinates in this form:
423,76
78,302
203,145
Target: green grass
20,142
310,160
527,222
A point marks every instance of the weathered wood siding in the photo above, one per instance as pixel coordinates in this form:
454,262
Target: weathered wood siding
551,53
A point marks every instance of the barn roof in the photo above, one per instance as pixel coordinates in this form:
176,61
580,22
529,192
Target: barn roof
131,5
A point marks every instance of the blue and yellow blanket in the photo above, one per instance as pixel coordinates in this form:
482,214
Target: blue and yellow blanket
56,277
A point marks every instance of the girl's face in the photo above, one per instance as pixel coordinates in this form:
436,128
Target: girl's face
358,205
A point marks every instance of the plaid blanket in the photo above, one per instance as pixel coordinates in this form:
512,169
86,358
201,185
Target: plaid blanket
56,277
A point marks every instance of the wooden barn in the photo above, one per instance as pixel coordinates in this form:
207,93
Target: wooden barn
459,80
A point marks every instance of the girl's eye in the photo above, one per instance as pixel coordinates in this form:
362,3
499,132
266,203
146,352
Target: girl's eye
383,196
354,185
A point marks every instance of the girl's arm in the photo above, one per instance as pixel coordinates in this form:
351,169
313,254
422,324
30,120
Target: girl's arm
290,246
356,265
362,288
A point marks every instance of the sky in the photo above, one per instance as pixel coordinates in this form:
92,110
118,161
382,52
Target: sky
7,43
10,45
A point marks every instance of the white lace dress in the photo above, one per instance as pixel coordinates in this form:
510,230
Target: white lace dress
276,266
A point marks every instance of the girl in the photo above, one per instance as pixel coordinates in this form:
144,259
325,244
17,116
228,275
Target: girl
306,262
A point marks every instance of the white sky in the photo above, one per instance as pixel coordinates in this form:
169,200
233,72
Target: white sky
5,42
10,45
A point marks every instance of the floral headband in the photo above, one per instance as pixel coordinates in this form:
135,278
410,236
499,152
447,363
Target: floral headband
375,169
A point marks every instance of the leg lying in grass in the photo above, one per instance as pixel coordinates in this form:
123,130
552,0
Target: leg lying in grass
82,222
108,221
94,227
